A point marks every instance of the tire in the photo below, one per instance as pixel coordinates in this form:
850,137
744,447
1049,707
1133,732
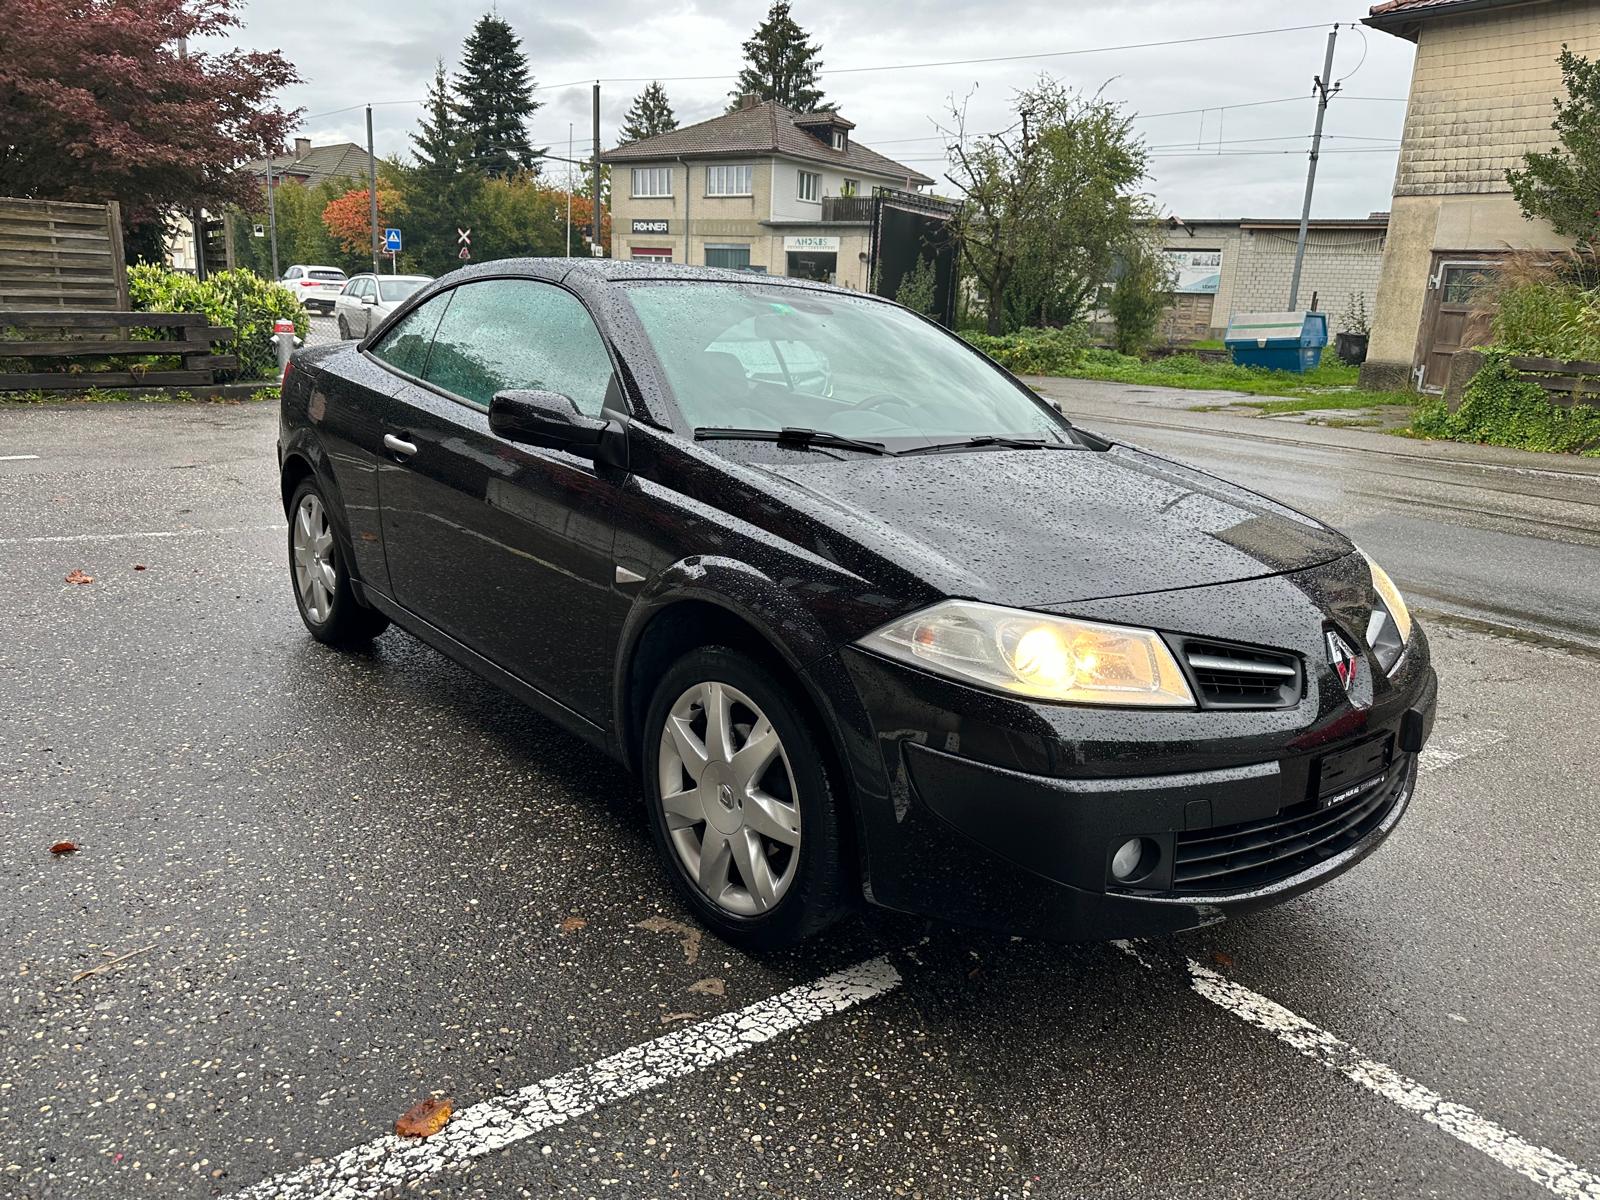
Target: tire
320,577
773,817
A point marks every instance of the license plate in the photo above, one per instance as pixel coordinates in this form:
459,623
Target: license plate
1337,776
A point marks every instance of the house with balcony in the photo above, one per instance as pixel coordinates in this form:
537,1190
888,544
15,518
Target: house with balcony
762,188
1482,87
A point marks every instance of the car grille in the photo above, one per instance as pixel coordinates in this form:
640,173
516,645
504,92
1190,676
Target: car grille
1253,854
1230,676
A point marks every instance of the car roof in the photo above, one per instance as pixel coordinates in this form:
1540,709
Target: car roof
601,271
313,267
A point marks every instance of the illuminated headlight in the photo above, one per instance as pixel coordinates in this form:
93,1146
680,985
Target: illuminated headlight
1389,627
1031,654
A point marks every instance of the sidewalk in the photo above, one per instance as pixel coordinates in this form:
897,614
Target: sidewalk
1089,401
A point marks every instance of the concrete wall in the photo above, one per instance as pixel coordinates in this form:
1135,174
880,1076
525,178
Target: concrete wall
1481,92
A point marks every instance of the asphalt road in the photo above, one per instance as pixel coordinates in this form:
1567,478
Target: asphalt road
317,887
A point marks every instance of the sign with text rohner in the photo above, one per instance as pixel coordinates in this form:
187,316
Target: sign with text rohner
809,242
650,225
1199,272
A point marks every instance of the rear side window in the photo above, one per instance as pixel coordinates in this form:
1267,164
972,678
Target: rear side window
504,334
405,346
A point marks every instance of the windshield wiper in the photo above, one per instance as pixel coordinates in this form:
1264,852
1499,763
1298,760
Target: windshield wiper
790,436
991,439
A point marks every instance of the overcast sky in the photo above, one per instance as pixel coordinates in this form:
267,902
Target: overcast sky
352,54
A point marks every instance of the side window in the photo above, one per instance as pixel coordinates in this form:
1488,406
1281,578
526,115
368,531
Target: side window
516,333
366,287
292,273
405,346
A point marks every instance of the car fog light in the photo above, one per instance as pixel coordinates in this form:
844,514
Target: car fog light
1134,859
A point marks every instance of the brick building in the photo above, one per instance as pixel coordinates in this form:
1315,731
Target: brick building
1245,265
1481,90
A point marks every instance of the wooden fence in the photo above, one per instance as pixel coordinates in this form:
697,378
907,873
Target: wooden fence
95,336
64,256
1566,383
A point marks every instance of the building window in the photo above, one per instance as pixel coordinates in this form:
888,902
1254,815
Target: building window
652,181
850,187
733,258
728,181
839,136
650,254
810,185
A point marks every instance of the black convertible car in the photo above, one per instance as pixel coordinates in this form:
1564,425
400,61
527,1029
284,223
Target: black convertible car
868,617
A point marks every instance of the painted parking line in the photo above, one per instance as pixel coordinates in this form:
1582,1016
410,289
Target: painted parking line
123,537
392,1164
17,457
1544,1167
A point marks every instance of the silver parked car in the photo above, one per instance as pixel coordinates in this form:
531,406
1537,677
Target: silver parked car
316,287
368,299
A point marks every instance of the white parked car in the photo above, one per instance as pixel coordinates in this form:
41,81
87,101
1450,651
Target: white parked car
315,286
367,299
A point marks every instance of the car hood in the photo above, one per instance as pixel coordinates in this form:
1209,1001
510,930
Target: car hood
1045,528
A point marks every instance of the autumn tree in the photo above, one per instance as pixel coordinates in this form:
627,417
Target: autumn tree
348,218
781,64
99,101
496,99
1563,185
650,114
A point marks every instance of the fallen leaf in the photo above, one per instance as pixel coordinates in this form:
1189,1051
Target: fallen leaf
669,1018
1222,958
709,987
139,566
689,936
78,576
424,1118
64,848
572,924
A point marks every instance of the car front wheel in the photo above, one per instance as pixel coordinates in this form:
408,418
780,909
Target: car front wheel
322,589
740,802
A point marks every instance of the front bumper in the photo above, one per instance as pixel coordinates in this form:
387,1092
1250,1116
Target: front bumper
1006,814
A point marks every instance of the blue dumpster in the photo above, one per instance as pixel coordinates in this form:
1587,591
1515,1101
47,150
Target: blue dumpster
1280,341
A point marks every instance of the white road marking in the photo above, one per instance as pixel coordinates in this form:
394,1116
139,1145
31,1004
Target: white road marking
119,537
1544,1167
1444,751
392,1164
16,457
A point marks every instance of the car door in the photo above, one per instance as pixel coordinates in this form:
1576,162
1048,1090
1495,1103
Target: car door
507,548
359,318
346,303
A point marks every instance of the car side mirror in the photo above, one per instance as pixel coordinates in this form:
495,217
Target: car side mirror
546,419
371,301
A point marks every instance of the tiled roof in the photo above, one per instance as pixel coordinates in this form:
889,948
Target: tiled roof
342,160
766,128
1401,16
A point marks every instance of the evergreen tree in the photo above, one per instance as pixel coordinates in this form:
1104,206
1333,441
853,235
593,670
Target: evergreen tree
651,114
497,98
440,192
781,64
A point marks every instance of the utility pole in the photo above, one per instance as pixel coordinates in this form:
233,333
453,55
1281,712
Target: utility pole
272,217
595,198
569,189
197,221
372,189
1325,89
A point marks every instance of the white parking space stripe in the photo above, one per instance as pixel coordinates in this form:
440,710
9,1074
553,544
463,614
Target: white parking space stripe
122,537
16,457
394,1164
1545,1167
1454,748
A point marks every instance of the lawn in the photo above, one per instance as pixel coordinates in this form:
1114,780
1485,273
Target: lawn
1331,385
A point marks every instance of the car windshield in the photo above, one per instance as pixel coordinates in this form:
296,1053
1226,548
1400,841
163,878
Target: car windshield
759,356
390,290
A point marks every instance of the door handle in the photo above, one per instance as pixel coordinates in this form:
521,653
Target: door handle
399,446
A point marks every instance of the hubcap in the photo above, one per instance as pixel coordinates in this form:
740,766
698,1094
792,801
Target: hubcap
733,813
314,574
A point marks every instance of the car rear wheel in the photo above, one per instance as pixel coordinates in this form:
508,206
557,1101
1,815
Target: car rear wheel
741,807
322,589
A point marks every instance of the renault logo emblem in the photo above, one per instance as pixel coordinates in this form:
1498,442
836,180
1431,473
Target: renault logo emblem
1343,658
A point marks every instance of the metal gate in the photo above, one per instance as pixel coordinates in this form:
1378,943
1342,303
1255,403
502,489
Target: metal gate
909,230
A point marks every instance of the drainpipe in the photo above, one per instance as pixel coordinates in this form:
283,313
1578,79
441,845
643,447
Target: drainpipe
685,167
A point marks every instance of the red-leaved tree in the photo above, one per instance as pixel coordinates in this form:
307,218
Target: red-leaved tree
99,101
348,218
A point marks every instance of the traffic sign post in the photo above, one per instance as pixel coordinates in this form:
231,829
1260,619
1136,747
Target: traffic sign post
464,240
391,241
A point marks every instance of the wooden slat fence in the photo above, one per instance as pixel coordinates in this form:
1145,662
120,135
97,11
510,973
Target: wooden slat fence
59,255
95,336
1565,382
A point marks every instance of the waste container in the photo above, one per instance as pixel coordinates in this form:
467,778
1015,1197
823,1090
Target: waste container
1280,341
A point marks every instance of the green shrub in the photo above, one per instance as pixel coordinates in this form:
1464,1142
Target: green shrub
1034,351
1501,408
237,299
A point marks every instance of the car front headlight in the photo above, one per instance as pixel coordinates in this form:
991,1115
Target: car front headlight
1042,657
1389,627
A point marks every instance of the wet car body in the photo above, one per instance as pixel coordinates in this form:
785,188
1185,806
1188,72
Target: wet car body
964,804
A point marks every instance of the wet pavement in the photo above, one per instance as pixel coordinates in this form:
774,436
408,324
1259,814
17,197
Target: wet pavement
316,887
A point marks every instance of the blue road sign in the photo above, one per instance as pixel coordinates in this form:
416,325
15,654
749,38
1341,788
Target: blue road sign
391,241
